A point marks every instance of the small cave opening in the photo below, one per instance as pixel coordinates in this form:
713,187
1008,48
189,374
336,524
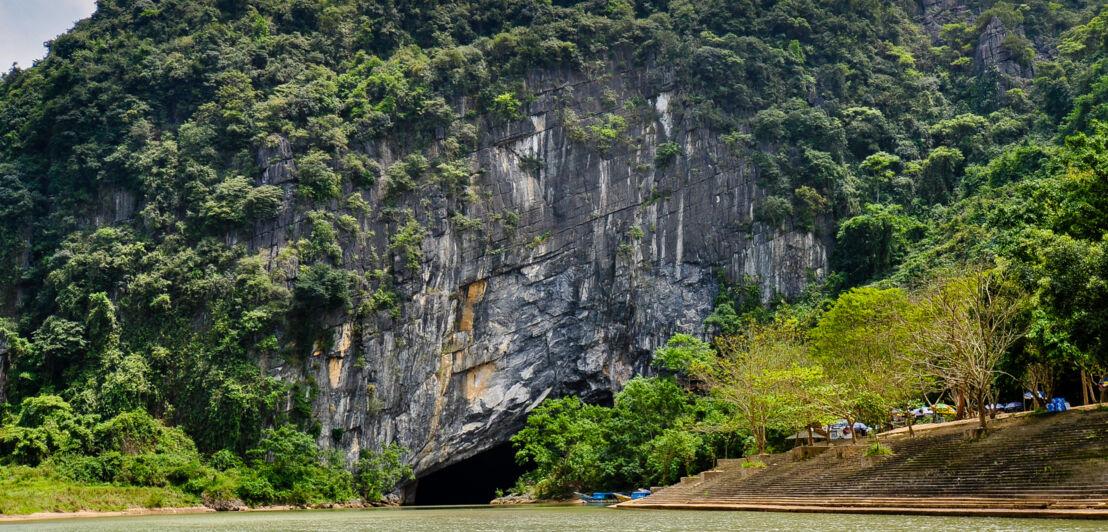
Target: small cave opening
471,481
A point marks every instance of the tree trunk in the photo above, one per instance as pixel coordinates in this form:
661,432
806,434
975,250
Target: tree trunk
909,418
961,405
853,433
1084,389
981,414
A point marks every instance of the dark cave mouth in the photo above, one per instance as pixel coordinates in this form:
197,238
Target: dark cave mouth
471,481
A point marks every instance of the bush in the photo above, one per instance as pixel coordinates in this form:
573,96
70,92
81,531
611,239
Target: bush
378,473
321,287
89,469
505,106
316,178
287,467
878,450
129,433
224,459
255,489
774,211
665,153
46,425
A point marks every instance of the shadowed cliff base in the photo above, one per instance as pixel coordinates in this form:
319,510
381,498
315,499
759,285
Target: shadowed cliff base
471,481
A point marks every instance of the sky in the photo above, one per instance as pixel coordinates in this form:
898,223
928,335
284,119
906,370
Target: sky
26,24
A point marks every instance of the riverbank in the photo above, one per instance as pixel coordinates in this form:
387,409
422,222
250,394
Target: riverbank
1043,466
131,512
184,510
892,509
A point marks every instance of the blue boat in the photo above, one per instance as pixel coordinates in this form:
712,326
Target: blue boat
611,497
598,497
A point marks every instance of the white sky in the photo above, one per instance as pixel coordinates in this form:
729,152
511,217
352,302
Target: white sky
26,24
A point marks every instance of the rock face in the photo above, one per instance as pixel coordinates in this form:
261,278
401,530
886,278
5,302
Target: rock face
935,13
993,54
609,257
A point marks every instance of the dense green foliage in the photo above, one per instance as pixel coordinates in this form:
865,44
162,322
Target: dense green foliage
648,436
861,128
992,174
134,449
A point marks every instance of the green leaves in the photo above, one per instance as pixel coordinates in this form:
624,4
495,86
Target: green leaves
378,473
684,354
642,439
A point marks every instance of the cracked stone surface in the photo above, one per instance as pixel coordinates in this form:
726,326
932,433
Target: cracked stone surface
571,301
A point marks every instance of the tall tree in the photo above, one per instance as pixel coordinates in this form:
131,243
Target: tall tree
961,328
762,374
860,346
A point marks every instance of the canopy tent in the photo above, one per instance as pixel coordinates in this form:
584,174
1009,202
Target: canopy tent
945,409
803,435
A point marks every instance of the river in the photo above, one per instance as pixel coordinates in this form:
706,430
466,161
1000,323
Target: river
543,518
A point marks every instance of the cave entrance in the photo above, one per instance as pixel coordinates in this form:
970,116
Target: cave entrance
471,481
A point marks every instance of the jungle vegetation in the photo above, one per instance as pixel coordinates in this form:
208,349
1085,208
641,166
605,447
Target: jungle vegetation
133,344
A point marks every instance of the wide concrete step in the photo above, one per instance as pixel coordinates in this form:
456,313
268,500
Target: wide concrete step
1055,462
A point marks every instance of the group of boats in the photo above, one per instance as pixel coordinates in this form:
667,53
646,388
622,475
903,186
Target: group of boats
604,498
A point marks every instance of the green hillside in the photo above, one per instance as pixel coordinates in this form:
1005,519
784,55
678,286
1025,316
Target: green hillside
131,156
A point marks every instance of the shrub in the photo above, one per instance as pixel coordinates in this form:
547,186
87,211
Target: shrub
320,286
665,153
378,473
224,460
129,433
46,425
317,180
878,450
505,106
774,211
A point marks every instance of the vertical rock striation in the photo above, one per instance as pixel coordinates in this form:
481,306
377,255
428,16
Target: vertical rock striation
612,253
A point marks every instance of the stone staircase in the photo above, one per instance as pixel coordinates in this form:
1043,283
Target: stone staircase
1059,462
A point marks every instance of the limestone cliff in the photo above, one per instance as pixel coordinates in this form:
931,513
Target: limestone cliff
610,256
994,52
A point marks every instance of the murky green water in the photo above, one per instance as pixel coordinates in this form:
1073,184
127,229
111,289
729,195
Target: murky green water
590,519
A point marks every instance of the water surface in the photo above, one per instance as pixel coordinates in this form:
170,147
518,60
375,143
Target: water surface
544,518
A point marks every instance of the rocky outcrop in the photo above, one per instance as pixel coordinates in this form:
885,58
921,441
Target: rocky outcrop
994,53
933,14
588,257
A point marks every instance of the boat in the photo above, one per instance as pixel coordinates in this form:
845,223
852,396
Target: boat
598,497
610,497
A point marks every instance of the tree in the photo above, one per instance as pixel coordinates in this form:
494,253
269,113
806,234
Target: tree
940,174
563,438
961,327
1038,378
378,473
684,354
859,345
762,373
673,448
871,243
878,171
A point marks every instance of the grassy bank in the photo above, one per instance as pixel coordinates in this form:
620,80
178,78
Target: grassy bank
27,490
